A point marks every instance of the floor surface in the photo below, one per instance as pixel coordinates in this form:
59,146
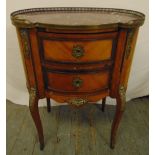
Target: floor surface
85,131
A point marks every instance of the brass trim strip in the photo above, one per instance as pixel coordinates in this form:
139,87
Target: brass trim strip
25,41
128,44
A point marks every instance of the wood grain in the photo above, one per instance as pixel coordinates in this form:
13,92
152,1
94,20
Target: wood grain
27,61
126,65
62,50
64,82
118,62
37,62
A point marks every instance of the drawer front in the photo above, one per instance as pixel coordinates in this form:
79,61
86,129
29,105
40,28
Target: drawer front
74,82
78,49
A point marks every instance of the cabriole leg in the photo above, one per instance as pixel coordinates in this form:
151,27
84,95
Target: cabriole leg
120,107
48,104
103,104
33,106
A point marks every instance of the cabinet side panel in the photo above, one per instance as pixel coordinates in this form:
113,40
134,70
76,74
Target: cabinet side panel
37,62
128,56
118,61
27,61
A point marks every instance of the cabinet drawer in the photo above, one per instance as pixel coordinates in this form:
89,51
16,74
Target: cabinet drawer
77,49
74,82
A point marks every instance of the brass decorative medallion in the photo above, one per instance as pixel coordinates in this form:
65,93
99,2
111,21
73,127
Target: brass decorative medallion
78,101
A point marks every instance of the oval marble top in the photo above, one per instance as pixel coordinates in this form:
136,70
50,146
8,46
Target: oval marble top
76,17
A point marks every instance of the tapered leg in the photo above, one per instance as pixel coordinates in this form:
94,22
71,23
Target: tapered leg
120,107
33,106
48,104
103,104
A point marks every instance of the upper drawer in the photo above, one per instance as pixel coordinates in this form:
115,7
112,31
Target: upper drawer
76,48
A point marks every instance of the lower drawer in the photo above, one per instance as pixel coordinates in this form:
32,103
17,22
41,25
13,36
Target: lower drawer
77,82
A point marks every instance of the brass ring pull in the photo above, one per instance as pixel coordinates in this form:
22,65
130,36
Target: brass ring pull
77,82
77,51
78,101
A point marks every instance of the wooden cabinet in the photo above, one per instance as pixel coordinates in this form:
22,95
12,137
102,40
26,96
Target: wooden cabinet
77,55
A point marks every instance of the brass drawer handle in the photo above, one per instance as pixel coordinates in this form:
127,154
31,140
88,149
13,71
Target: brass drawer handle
78,101
77,51
77,82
